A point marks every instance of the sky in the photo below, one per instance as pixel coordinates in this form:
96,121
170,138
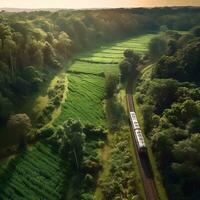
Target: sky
94,3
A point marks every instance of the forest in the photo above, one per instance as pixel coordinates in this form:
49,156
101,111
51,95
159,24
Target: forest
168,96
63,115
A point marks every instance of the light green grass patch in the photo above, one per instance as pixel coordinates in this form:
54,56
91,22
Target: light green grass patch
94,68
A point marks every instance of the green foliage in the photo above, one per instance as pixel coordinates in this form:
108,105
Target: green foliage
55,98
171,116
19,124
196,31
129,64
70,140
157,47
92,131
120,182
79,145
45,132
111,85
183,66
125,68
6,108
4,33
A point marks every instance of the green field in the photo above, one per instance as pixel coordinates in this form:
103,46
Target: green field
93,68
84,100
113,54
36,174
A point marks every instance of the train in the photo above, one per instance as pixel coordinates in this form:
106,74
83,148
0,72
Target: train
141,146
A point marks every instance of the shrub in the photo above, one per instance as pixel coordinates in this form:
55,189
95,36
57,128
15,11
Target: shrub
46,132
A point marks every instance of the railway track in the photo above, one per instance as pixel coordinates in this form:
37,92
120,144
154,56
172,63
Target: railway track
143,161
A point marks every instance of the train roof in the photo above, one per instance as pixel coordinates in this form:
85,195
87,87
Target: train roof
140,138
133,116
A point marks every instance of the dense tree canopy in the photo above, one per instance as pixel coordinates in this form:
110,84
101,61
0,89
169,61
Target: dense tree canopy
170,104
128,66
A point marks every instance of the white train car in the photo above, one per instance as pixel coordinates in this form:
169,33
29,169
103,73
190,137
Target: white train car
137,133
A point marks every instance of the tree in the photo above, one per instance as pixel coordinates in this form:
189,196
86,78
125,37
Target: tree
172,47
164,28
161,93
196,31
35,54
167,67
20,125
186,165
132,57
6,108
185,39
157,47
129,65
163,142
125,68
193,125
147,112
110,85
70,140
190,59
50,57
63,45
4,33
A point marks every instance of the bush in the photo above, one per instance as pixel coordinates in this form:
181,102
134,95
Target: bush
92,131
56,101
157,47
89,180
92,167
45,132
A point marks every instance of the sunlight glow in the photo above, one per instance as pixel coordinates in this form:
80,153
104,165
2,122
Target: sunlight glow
94,3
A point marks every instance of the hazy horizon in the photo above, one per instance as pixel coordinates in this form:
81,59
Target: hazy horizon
78,4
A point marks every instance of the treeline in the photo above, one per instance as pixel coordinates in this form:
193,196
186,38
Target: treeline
177,18
169,98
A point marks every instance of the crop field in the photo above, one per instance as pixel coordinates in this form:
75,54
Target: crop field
36,174
100,60
84,101
93,68
106,58
113,54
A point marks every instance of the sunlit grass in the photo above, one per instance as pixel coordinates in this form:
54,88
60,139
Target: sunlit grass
93,68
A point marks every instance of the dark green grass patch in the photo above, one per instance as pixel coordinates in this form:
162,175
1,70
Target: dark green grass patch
35,174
